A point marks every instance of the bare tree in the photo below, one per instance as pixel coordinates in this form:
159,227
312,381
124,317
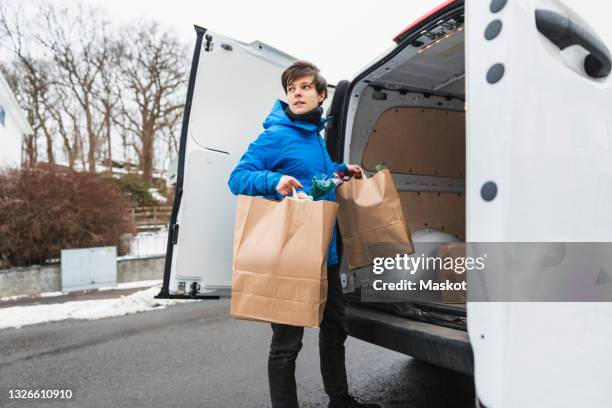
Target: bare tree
107,90
68,124
83,84
155,75
76,39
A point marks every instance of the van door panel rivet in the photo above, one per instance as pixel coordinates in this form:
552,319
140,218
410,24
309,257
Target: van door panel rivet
488,191
493,29
497,5
495,73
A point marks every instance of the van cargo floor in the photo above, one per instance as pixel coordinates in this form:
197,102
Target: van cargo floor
447,315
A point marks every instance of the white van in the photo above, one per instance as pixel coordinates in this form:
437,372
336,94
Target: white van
495,118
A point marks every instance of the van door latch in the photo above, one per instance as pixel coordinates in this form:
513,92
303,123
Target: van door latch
209,44
174,230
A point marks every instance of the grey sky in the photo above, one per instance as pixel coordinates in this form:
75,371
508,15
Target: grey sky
340,36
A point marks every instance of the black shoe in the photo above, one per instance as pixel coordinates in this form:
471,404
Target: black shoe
351,402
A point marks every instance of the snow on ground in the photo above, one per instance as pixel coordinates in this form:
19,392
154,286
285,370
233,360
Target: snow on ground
141,301
149,243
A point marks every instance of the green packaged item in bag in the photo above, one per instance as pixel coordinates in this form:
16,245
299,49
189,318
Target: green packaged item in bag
380,166
322,185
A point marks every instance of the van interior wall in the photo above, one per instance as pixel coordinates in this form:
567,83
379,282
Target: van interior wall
421,139
425,142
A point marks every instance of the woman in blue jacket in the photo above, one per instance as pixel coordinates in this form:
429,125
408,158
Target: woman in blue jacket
289,153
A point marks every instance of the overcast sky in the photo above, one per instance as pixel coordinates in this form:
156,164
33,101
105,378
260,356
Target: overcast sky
340,36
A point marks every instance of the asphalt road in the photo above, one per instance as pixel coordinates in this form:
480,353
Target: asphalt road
195,355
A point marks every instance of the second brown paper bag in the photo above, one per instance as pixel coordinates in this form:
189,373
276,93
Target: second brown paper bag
371,219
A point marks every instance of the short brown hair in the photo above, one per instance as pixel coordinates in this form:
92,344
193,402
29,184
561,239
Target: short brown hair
302,68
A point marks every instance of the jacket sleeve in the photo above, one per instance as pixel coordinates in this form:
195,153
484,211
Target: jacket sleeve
340,167
254,174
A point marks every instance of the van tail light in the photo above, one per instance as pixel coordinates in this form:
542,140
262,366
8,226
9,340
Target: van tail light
421,20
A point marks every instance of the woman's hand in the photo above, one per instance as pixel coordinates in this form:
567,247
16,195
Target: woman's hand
355,170
284,185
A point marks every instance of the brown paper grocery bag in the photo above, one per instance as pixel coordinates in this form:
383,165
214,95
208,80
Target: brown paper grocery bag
280,260
371,219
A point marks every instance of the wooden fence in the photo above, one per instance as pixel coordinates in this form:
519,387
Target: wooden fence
145,217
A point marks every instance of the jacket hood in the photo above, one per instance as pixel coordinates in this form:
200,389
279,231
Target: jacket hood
278,117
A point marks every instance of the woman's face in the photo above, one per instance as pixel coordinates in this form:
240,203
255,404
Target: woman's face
302,95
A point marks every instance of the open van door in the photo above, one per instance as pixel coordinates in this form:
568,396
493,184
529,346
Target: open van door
232,87
539,166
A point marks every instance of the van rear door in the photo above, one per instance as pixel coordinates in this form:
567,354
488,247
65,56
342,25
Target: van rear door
539,166
232,87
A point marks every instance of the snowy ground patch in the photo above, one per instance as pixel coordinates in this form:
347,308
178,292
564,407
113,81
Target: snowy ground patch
149,243
141,301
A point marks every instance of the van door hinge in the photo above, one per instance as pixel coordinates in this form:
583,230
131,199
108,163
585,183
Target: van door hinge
209,45
194,288
174,230
181,288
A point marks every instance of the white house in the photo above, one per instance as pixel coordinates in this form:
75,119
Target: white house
13,126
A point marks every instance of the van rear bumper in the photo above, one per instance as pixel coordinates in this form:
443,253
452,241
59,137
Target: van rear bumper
442,346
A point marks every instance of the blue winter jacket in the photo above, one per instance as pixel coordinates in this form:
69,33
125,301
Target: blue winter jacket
285,148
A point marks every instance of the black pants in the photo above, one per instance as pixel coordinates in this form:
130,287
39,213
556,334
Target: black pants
287,342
